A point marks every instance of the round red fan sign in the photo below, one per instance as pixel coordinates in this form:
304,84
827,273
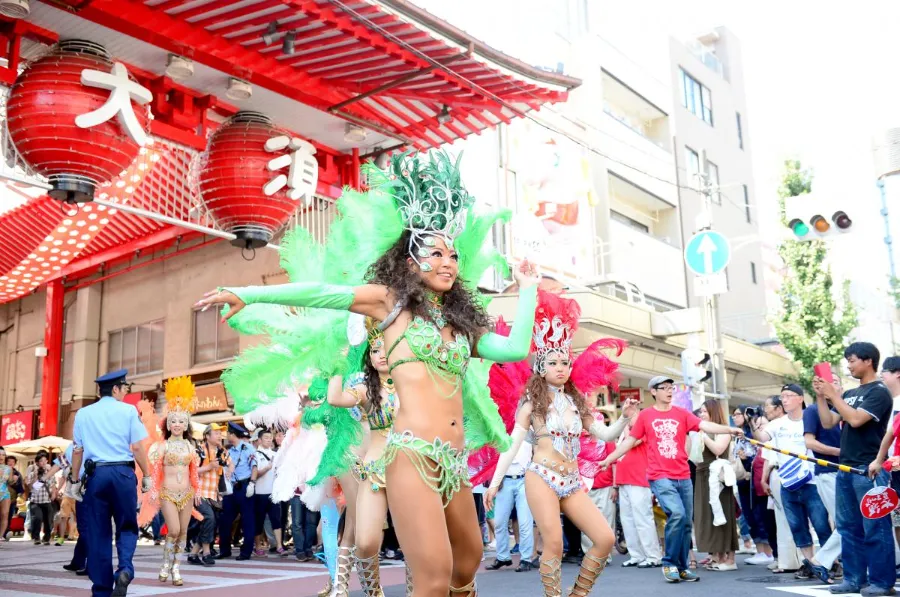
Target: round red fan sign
879,502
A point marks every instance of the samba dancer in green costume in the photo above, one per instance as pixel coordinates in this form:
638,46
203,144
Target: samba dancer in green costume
434,323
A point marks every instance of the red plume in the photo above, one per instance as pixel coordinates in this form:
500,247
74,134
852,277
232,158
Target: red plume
593,369
552,305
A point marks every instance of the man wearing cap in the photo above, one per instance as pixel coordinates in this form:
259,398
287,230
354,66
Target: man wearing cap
243,481
214,462
107,439
664,429
800,500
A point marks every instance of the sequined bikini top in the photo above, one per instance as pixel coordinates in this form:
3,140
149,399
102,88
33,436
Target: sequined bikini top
383,417
179,452
427,345
566,436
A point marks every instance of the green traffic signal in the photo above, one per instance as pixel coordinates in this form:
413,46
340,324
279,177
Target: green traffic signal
798,228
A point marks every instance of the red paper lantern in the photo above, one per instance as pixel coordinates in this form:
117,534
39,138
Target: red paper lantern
42,107
233,178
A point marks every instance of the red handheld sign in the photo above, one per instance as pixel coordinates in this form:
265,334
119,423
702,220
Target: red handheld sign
879,502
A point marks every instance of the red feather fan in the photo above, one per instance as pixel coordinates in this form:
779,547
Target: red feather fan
593,369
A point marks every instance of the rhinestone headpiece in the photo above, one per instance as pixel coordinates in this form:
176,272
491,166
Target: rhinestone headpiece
374,334
429,196
555,322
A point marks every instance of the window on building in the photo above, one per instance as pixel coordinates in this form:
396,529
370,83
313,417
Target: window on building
213,341
712,173
740,130
695,97
753,272
693,163
138,349
747,203
623,219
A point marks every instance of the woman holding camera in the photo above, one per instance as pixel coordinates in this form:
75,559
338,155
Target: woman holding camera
752,507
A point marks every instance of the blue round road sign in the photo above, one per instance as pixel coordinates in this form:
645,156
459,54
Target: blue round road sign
707,253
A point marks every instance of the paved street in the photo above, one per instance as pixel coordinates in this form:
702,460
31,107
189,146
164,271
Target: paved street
29,571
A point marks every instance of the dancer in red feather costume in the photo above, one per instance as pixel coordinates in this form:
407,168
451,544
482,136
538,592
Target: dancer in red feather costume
548,401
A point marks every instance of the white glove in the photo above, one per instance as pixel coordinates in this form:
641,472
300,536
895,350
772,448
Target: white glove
73,490
251,489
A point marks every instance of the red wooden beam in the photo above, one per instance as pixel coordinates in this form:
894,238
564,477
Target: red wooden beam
239,13
254,22
79,267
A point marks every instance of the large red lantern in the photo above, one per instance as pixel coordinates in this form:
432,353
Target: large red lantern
76,117
253,176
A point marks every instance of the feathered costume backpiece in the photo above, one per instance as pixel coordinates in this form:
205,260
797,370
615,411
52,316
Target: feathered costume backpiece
181,397
555,324
422,194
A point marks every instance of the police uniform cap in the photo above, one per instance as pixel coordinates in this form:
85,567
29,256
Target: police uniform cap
113,378
238,430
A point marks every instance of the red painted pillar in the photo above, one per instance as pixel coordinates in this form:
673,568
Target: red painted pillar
53,341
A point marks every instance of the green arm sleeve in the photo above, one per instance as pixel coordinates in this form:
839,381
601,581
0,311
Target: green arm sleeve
299,294
515,347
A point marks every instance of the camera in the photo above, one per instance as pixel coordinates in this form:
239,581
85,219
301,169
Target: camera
754,412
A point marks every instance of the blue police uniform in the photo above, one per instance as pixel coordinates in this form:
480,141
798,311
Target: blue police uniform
105,431
244,458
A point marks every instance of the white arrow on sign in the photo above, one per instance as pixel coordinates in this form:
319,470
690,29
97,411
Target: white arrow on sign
707,248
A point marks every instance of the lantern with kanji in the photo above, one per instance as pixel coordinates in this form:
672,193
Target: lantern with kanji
77,118
254,176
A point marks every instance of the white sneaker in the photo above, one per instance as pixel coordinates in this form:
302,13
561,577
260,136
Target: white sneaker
773,565
759,559
631,562
747,550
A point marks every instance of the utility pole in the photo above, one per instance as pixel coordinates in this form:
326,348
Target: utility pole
711,302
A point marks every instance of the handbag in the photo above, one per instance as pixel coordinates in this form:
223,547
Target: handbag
794,474
740,473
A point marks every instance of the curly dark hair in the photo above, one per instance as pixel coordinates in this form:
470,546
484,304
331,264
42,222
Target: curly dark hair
373,383
464,314
536,390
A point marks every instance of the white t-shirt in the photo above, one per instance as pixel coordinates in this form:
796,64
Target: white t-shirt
787,435
265,481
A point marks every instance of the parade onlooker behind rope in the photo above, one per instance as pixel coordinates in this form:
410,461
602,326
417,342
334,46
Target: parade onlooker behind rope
715,527
788,559
636,507
752,507
664,428
890,374
825,445
798,497
867,545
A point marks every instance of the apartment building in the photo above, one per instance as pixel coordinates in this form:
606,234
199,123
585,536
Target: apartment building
711,136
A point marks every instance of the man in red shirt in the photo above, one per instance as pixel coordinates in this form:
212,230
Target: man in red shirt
636,508
604,495
664,429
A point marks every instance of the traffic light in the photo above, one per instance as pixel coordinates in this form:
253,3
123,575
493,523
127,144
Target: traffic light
696,366
811,217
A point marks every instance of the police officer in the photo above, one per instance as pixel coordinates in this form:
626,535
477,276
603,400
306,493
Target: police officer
105,433
243,481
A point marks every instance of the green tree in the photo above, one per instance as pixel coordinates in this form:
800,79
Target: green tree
814,322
